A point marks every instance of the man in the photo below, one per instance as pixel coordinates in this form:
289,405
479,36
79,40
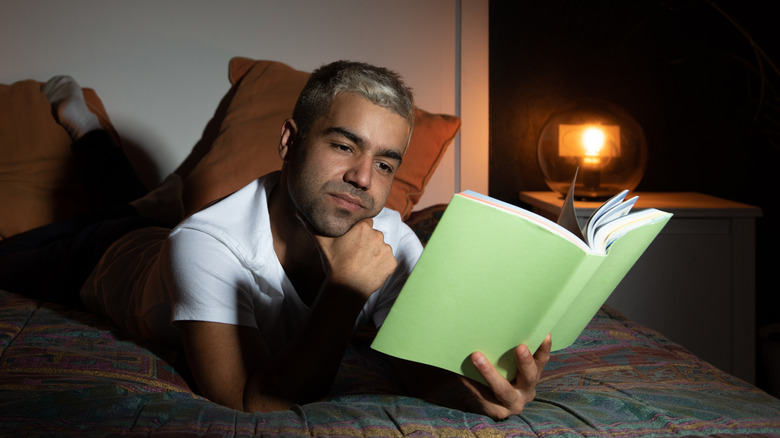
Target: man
265,287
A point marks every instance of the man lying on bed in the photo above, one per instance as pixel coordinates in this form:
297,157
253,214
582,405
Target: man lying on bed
266,286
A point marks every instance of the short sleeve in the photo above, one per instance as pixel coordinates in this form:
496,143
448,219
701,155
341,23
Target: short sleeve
208,282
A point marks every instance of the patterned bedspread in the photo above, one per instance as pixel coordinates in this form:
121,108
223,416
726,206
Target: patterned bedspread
68,372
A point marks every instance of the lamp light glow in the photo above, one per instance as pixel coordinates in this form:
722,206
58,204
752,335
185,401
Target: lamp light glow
593,140
600,139
588,140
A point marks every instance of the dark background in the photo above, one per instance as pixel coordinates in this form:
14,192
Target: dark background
698,76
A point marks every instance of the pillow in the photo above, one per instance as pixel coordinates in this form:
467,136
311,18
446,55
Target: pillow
246,146
39,182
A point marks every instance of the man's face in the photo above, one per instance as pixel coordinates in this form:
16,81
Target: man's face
342,172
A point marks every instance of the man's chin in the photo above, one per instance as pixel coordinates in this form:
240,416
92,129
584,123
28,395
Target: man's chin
333,227
337,226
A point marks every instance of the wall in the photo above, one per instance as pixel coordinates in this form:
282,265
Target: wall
160,67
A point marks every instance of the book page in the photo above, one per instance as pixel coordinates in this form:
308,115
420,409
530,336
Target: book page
568,216
613,230
613,209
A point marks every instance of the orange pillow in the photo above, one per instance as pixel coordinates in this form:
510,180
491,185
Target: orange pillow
246,146
39,182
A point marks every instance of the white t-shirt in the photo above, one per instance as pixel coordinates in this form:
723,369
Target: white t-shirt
219,265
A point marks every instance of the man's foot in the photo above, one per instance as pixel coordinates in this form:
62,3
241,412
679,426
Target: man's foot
69,105
164,203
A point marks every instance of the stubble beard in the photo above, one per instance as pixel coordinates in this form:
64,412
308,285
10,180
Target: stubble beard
316,207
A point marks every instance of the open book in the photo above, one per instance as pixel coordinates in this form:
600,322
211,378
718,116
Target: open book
494,276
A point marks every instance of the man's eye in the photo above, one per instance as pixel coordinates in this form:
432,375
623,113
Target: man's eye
384,167
341,147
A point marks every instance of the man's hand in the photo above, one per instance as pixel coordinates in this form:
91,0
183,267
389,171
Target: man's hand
509,398
500,399
359,260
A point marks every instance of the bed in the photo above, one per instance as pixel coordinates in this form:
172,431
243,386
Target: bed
68,372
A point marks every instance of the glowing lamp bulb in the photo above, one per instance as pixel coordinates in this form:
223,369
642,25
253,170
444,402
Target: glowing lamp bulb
593,139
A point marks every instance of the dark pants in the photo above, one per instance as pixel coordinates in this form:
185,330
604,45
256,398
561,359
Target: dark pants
52,262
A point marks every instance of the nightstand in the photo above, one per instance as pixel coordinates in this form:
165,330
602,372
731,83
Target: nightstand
696,282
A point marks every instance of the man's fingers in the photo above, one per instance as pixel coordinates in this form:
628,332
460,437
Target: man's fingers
503,391
542,355
527,372
529,368
359,260
510,398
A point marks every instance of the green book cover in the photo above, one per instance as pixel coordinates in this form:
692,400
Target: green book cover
494,276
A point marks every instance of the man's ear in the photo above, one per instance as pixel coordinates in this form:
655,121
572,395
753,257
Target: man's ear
287,138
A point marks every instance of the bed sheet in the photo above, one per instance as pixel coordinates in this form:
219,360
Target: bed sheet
67,372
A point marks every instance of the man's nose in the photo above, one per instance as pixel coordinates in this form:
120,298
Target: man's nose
359,172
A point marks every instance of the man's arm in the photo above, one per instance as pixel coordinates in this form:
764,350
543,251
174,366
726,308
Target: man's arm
231,364
221,358
500,399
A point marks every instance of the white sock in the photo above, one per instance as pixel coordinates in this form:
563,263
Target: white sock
65,95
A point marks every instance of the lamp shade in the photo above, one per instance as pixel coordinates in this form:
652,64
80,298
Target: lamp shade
600,139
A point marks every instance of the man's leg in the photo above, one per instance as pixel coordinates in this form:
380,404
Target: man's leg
108,176
52,262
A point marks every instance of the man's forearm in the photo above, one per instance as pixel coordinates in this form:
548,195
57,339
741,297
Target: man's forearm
305,369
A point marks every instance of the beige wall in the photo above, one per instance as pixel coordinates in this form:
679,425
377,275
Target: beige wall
160,67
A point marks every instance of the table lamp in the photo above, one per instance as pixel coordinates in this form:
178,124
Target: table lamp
601,140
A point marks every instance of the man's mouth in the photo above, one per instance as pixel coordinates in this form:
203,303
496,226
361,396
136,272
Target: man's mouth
348,201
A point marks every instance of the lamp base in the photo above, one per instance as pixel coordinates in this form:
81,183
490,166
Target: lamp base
592,198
